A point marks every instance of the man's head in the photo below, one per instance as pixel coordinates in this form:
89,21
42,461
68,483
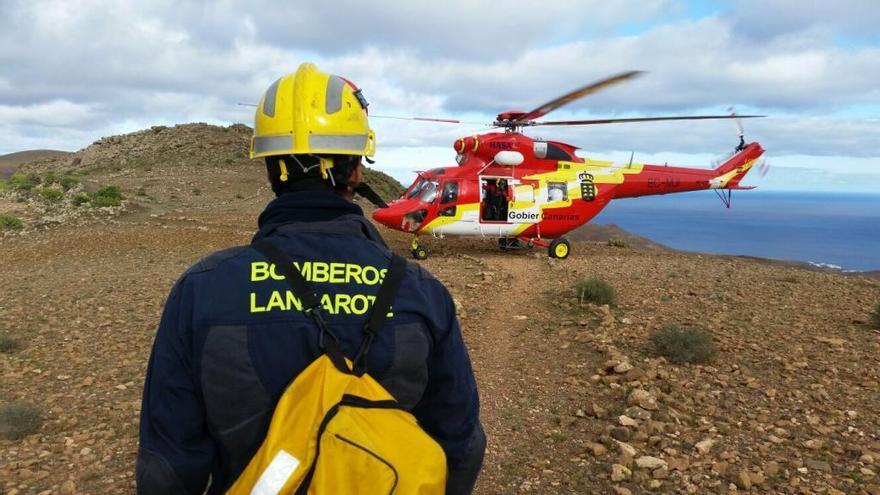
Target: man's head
311,128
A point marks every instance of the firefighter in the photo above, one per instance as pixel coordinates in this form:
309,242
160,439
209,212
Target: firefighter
228,344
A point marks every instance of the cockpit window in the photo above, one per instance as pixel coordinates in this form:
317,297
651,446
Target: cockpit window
416,189
556,153
450,192
429,192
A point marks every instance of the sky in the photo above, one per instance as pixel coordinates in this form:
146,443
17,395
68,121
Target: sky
77,70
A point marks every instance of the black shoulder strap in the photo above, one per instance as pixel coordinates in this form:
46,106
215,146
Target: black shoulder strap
301,288
385,296
311,302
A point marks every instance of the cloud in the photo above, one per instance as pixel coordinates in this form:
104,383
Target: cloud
472,29
689,64
779,18
56,113
75,71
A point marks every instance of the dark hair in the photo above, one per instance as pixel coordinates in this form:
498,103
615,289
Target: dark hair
343,166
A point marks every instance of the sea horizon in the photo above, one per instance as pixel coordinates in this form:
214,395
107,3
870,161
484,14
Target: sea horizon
838,230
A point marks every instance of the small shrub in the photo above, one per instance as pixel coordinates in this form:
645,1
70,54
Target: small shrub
9,344
107,196
50,195
68,182
49,178
81,199
9,222
875,316
23,182
196,191
683,345
239,196
141,191
19,419
596,291
105,202
621,243
109,192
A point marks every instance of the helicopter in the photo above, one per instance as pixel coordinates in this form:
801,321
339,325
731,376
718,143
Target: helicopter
530,192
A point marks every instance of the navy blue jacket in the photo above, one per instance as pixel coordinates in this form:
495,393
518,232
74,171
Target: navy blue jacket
231,340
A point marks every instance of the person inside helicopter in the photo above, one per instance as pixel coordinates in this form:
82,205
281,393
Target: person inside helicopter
502,200
489,209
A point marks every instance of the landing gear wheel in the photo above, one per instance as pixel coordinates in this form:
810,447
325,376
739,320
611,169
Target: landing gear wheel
420,253
559,248
508,244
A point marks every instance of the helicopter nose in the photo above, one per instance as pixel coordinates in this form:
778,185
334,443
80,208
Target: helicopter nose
387,217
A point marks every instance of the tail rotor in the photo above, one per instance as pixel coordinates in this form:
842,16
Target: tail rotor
762,165
739,129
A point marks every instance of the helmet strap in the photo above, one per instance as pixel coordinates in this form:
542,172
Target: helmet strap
326,164
305,169
282,168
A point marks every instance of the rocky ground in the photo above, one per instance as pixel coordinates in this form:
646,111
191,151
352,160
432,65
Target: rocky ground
574,400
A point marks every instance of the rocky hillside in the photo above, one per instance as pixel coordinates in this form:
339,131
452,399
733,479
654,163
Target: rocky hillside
157,170
582,390
9,163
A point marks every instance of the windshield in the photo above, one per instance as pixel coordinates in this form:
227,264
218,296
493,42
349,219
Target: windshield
416,188
429,192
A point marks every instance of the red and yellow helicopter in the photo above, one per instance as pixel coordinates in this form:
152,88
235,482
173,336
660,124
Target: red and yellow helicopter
522,190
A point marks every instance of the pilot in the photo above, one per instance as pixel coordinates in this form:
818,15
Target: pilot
218,367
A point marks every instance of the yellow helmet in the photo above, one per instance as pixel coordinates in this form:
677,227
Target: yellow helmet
312,112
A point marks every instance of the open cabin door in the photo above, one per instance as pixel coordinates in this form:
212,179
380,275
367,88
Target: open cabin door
495,196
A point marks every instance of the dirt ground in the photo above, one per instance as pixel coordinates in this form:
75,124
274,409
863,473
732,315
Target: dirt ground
573,399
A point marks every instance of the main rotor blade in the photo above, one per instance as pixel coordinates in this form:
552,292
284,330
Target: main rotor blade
644,119
576,94
427,119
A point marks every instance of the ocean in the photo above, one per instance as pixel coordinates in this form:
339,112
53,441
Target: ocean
839,230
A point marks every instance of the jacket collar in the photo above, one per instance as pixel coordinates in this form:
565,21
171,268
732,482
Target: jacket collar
319,211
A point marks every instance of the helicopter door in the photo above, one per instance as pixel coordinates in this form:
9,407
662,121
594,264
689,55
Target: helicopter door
448,198
495,199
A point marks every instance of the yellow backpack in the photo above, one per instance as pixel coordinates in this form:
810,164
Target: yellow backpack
336,429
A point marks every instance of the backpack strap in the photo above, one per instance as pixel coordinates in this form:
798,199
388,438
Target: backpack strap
311,303
381,306
309,300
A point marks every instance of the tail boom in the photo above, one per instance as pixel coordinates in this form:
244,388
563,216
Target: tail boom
662,179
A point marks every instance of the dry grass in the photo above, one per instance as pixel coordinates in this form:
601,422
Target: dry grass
684,345
596,291
19,419
9,344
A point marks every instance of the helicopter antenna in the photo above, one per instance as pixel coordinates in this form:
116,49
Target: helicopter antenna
487,165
